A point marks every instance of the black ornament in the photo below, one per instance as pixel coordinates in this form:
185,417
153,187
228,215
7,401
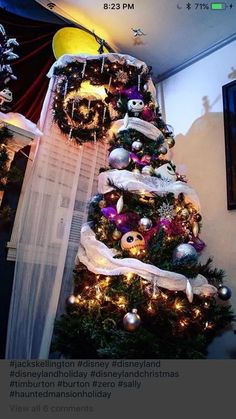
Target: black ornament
224,293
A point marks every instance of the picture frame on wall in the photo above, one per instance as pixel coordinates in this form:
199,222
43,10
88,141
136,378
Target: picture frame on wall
229,107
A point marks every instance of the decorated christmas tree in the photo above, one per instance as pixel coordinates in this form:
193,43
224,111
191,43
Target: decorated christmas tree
6,73
140,290
7,174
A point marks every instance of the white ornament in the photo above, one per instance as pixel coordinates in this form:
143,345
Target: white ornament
135,106
166,211
120,204
137,145
166,172
5,96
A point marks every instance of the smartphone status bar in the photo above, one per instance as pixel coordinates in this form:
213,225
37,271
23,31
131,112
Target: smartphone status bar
216,6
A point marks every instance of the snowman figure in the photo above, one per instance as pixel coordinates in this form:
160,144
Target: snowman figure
5,96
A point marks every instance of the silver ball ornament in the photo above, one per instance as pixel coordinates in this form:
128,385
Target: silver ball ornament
147,170
185,254
119,158
131,321
71,300
137,145
224,293
145,224
162,149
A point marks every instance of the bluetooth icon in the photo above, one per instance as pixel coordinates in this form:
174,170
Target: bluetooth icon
188,5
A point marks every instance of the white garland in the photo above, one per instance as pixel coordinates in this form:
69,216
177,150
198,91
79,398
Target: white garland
146,128
99,259
141,184
66,59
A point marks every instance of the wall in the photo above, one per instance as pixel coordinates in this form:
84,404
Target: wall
191,101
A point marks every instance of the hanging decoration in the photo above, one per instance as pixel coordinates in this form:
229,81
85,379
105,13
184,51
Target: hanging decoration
86,89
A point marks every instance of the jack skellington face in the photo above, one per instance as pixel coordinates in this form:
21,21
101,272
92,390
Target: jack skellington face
133,242
135,106
166,172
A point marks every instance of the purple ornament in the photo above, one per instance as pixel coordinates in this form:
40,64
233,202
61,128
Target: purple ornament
166,225
126,222
134,157
198,244
110,213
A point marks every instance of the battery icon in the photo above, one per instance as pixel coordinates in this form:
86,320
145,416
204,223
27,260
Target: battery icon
218,6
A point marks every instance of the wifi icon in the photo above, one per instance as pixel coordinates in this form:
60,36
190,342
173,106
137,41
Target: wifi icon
51,5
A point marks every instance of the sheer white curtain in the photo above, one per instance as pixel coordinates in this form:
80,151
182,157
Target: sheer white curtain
52,212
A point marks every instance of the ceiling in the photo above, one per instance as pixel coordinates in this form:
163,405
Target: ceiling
174,34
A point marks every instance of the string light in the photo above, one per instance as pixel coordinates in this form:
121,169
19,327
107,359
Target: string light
121,302
129,277
178,305
197,312
150,307
183,323
208,325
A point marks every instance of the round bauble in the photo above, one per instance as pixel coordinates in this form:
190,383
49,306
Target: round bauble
197,217
131,321
102,204
116,235
170,141
95,199
119,158
185,254
162,149
137,145
133,242
224,293
147,170
71,300
145,224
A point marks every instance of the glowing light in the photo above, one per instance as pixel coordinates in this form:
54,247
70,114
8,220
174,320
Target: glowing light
183,323
121,302
197,312
164,296
74,41
178,306
150,307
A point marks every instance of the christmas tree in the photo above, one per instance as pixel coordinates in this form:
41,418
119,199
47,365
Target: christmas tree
6,73
140,290
7,174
